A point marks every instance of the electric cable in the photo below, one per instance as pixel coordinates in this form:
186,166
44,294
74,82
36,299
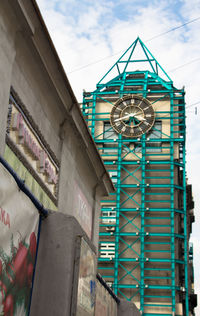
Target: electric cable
183,65
173,29
190,105
148,40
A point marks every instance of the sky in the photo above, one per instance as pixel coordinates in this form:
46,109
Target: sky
90,35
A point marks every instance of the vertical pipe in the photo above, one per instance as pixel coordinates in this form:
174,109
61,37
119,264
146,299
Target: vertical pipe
93,115
117,230
142,232
142,210
172,144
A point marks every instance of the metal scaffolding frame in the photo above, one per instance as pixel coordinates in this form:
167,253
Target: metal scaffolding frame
143,249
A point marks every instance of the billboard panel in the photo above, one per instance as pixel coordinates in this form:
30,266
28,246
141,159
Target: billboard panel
19,220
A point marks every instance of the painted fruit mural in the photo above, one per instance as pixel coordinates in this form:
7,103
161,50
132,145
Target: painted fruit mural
16,273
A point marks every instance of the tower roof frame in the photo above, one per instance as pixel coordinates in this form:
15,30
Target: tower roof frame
125,65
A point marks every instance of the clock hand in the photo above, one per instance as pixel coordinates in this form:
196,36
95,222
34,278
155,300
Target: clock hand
123,117
129,115
140,118
136,115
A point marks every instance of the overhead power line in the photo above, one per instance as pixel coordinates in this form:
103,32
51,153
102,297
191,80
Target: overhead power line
189,106
173,29
148,40
183,65
93,63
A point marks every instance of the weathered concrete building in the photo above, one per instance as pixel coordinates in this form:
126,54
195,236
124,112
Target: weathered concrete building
36,96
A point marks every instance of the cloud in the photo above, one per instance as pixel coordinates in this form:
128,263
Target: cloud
93,33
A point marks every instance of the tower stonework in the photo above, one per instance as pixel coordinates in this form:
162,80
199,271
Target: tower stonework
137,120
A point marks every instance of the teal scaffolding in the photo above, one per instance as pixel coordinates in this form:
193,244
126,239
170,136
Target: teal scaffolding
143,251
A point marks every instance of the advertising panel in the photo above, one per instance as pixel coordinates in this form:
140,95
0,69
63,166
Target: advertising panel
19,221
27,143
86,283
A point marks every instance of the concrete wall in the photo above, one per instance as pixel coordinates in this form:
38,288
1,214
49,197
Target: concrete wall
29,63
7,56
127,309
57,270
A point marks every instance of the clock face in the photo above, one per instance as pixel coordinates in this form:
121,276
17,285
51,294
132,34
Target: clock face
132,116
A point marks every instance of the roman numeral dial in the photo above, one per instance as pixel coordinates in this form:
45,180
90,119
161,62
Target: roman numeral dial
132,116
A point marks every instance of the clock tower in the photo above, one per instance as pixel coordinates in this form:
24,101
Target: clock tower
137,119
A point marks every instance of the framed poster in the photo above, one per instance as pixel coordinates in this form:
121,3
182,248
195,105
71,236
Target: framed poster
19,220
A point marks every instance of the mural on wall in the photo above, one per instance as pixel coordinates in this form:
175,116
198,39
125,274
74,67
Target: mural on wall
19,221
86,283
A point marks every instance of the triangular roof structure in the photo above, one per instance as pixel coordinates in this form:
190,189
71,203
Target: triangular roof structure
136,58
